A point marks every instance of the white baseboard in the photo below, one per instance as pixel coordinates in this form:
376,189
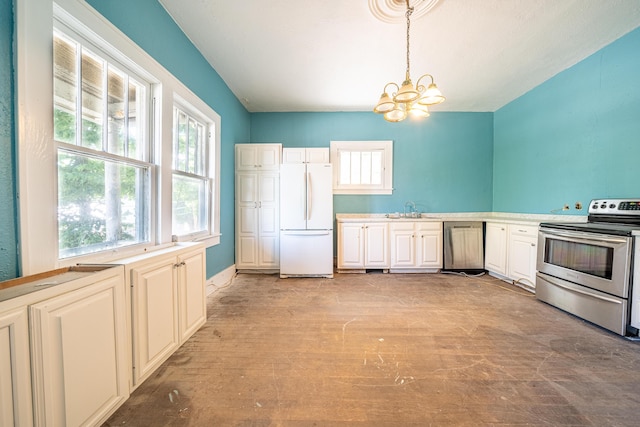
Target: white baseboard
221,279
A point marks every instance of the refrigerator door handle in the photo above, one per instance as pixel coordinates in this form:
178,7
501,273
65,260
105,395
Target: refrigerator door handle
308,175
306,232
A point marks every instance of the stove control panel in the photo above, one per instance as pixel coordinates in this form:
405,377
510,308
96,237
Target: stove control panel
615,206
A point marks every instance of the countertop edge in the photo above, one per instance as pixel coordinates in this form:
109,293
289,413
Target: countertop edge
504,217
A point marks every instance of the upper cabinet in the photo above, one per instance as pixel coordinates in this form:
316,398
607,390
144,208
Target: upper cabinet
258,157
305,155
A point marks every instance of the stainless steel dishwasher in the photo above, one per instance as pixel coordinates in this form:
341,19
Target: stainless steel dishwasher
464,245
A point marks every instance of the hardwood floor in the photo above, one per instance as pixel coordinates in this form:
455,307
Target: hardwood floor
389,350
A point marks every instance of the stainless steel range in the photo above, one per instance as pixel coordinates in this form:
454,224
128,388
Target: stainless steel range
588,268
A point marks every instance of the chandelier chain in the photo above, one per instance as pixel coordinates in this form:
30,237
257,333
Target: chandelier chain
408,15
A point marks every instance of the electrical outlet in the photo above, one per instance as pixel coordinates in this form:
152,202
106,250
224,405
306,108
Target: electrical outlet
565,208
578,206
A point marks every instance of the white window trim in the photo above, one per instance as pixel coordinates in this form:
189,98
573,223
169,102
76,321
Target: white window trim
198,109
387,178
37,186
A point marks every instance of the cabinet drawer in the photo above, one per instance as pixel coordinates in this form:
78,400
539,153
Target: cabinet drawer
524,230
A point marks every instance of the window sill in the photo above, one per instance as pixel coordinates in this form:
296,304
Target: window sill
364,192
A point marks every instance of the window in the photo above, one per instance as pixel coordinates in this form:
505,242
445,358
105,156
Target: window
191,201
103,172
95,159
362,167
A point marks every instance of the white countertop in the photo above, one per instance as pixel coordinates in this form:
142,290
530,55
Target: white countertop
515,218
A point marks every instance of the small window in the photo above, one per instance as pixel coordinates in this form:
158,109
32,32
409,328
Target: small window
191,200
362,167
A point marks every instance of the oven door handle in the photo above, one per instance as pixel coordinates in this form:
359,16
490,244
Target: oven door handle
579,291
584,236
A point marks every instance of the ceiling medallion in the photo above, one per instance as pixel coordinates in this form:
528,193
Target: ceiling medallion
393,11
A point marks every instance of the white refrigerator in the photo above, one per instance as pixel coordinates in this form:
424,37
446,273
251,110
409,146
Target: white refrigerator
306,220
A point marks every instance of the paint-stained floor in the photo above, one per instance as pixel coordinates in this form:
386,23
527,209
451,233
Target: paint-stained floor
389,350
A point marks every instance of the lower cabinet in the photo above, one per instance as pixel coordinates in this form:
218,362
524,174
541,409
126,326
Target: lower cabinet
168,305
15,377
67,336
511,252
363,245
80,373
416,246
403,246
495,250
523,251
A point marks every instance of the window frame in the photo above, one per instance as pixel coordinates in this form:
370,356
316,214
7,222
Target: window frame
210,166
384,146
103,153
37,154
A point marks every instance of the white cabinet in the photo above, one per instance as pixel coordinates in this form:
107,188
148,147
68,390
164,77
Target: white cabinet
415,246
495,254
511,251
258,157
305,155
363,245
191,293
257,220
154,300
523,241
429,245
15,377
168,304
79,344
257,205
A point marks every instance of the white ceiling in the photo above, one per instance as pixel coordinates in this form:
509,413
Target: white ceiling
334,55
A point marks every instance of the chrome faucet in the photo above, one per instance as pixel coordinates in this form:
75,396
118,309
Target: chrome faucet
412,209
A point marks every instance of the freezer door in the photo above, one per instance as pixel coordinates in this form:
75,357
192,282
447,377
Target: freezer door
319,196
293,196
306,253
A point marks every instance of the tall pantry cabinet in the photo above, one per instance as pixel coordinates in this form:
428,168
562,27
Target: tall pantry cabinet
257,204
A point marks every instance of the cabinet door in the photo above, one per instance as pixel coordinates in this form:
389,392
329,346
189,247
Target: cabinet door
429,249
258,156
350,245
496,248
155,315
79,355
191,282
317,155
268,220
15,376
376,245
293,155
522,255
247,219
403,247
246,157
269,156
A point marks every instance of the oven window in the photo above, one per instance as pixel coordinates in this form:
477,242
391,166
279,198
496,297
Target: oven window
589,259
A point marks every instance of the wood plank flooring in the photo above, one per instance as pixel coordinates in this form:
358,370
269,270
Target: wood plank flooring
389,350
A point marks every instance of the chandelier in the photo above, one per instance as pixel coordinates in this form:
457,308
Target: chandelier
408,99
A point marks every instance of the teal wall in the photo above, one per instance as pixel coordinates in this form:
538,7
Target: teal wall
8,213
150,27
442,163
574,138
